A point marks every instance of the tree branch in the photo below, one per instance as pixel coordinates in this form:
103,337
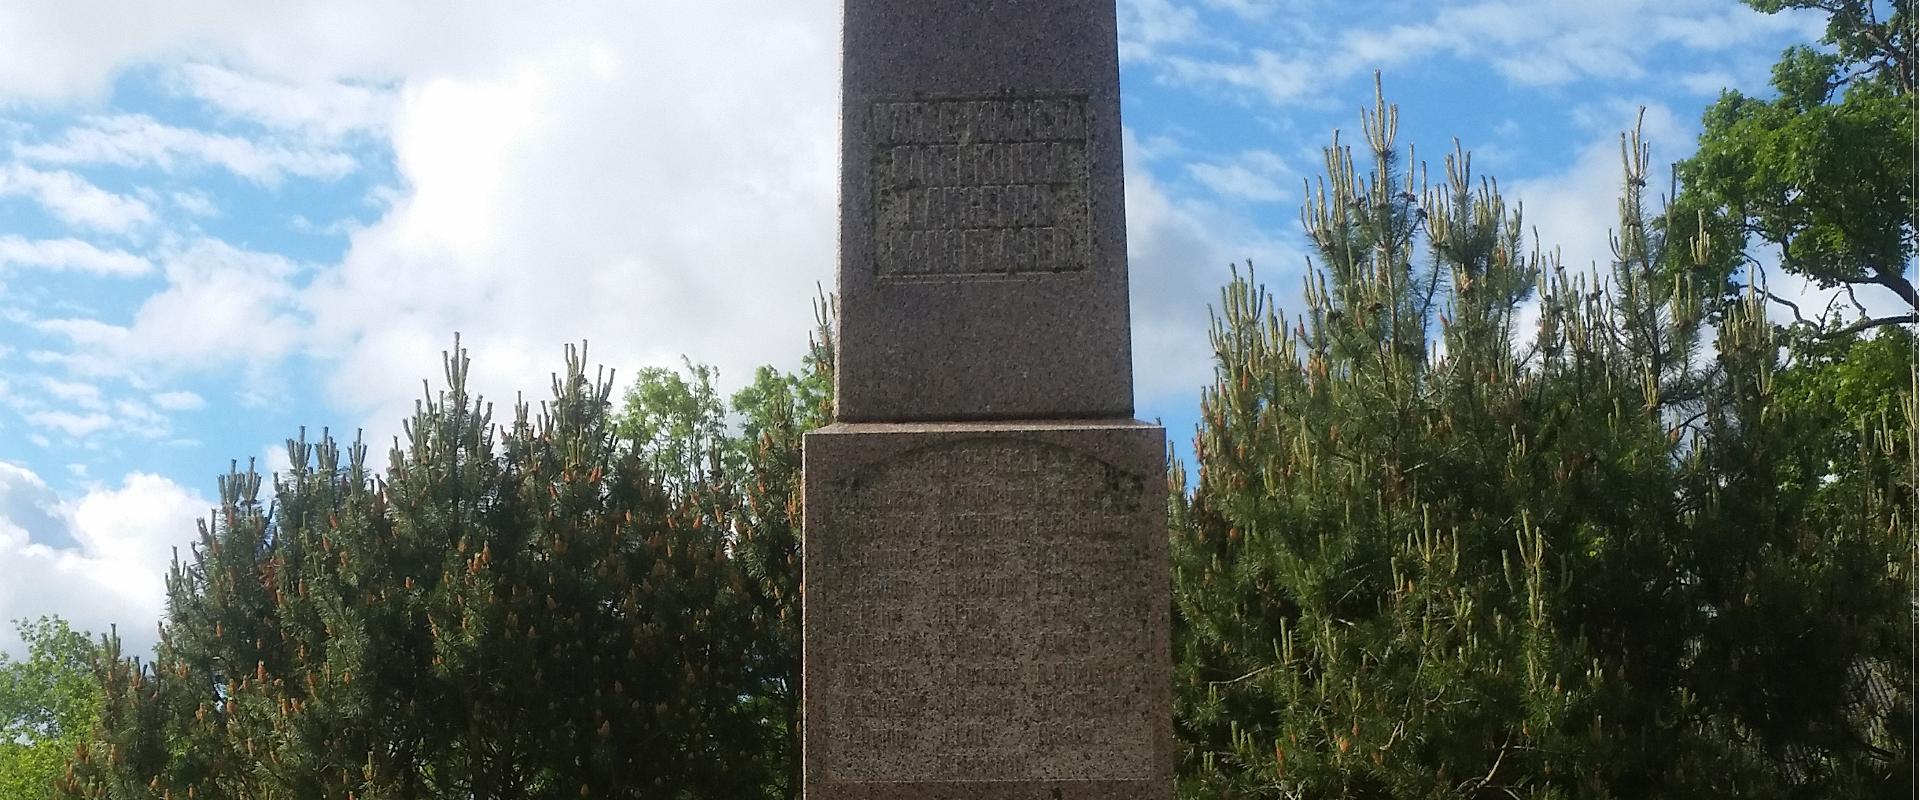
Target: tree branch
1895,281
1795,307
1870,322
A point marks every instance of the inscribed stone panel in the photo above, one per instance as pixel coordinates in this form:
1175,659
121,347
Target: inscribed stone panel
980,186
997,593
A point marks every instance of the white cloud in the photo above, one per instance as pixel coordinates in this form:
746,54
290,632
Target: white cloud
1179,252
1382,48
28,504
577,191
1247,9
630,174
1277,78
1146,25
74,255
134,140
221,305
139,417
178,401
1576,209
84,395
556,179
1530,43
320,109
73,200
98,561
1707,83
275,461
196,203
1733,26
77,426
1252,175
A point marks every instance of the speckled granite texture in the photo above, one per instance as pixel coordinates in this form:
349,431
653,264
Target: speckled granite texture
986,611
982,218
986,608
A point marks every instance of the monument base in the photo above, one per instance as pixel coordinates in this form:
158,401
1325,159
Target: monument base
986,612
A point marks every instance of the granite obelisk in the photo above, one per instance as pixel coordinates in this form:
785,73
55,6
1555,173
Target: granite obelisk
986,611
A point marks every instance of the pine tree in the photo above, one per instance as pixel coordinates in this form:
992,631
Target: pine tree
1436,548
506,611
751,479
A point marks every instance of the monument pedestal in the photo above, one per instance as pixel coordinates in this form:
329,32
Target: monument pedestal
986,603
986,611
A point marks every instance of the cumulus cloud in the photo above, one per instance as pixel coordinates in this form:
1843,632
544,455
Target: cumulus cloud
84,395
194,203
1275,77
1146,25
178,401
321,109
577,191
1247,9
1529,43
61,255
558,177
75,425
1180,251
98,560
73,200
1709,82
1256,175
136,140
1577,209
220,305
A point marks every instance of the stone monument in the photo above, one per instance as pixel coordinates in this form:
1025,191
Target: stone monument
986,610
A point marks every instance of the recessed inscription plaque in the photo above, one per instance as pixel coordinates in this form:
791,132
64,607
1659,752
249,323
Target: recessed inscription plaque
980,186
991,619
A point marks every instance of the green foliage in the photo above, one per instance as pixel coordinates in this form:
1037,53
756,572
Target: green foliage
518,611
1858,380
1436,549
578,603
48,704
753,483
1824,173
678,422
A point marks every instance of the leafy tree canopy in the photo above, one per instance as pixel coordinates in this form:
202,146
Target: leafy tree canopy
48,704
1822,175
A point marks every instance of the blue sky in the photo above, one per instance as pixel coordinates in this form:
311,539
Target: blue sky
228,220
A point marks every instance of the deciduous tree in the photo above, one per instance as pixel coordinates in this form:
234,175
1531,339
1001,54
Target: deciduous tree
48,704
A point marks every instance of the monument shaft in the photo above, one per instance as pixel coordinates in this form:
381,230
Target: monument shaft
986,610
983,270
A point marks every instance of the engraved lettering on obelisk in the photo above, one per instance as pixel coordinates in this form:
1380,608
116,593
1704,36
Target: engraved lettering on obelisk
1001,627
972,186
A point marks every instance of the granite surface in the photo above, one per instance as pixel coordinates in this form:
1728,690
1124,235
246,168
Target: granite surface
982,217
986,611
